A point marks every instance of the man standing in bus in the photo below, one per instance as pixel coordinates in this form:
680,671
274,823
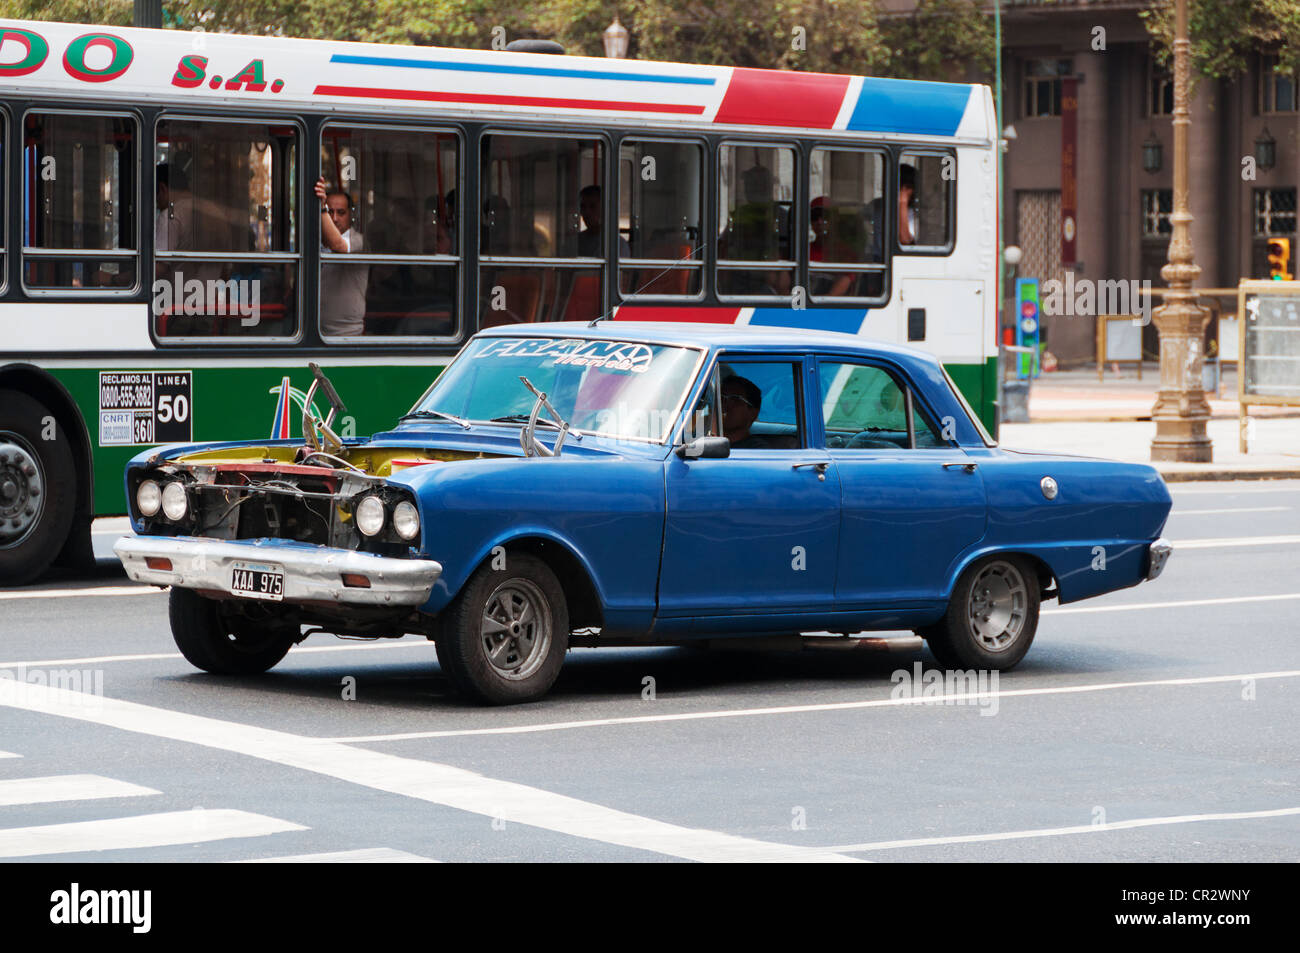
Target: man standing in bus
171,224
342,287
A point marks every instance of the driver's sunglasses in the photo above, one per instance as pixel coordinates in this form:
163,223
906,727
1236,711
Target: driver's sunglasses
727,397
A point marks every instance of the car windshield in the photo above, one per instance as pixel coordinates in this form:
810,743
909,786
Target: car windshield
614,388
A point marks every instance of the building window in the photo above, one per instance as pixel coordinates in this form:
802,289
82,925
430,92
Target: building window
1277,91
1274,212
1043,86
1157,205
1160,98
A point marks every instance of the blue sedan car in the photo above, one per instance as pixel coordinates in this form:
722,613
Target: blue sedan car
626,484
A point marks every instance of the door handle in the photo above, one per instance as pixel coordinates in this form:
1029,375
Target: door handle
818,465
968,467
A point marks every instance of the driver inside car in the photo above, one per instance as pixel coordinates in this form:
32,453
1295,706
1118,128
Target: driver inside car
741,400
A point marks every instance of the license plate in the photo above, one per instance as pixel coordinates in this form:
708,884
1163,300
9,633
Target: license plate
257,581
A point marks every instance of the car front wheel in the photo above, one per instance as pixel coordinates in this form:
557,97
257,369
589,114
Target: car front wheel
224,645
991,617
503,639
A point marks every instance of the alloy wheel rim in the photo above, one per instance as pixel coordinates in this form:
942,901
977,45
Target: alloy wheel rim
22,489
515,631
998,606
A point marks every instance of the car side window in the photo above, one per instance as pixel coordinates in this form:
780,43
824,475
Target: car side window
865,408
760,404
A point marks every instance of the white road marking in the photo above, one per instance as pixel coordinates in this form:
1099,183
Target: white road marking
154,656
147,830
66,787
1180,545
375,855
88,591
1234,488
9,754
950,698
1062,831
1226,600
423,780
1231,509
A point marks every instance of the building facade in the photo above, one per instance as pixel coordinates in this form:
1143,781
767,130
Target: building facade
1244,168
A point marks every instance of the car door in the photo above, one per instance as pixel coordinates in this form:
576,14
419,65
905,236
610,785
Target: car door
912,501
755,533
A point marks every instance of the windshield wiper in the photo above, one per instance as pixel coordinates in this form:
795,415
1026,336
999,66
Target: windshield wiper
523,419
436,413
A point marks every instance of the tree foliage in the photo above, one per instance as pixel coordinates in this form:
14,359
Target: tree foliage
1223,33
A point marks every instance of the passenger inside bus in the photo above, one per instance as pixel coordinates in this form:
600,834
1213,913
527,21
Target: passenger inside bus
342,287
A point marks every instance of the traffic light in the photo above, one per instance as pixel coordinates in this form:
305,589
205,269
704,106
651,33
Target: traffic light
1279,257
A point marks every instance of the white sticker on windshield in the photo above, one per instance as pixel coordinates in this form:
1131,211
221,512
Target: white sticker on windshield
603,355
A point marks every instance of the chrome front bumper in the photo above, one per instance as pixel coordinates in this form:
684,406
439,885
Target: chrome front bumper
1157,556
311,573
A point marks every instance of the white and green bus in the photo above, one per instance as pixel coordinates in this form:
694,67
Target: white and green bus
190,218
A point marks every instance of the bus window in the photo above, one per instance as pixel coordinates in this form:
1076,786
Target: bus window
4,260
394,194
226,252
846,255
926,183
541,221
660,208
79,203
756,193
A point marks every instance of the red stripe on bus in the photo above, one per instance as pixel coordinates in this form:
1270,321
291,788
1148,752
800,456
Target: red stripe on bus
695,315
422,95
758,97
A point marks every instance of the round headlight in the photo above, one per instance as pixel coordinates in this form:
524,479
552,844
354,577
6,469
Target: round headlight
406,520
370,515
174,503
148,498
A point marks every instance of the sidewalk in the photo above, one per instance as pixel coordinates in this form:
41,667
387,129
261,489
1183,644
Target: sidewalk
1072,412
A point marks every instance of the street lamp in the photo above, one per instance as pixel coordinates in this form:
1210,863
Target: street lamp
1265,150
615,37
1181,410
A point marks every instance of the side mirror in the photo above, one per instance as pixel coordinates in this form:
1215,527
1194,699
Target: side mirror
707,448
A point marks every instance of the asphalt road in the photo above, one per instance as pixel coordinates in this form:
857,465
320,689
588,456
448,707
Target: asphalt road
1154,724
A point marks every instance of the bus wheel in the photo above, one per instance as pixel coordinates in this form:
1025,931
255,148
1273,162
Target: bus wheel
223,646
38,488
504,637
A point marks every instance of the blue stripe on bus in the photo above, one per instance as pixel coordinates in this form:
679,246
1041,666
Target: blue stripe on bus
521,70
908,106
847,320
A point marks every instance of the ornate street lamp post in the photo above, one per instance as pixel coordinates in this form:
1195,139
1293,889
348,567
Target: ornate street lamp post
1181,411
615,40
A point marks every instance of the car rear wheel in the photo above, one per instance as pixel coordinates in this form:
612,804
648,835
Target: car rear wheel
991,618
503,639
38,488
225,645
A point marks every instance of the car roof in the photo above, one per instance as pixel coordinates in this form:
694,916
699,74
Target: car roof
718,336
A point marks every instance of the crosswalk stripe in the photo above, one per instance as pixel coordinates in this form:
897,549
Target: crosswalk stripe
9,754
429,781
372,855
67,787
145,830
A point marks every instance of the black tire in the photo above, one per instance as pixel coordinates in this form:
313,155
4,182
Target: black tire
38,488
527,651
992,627
224,645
